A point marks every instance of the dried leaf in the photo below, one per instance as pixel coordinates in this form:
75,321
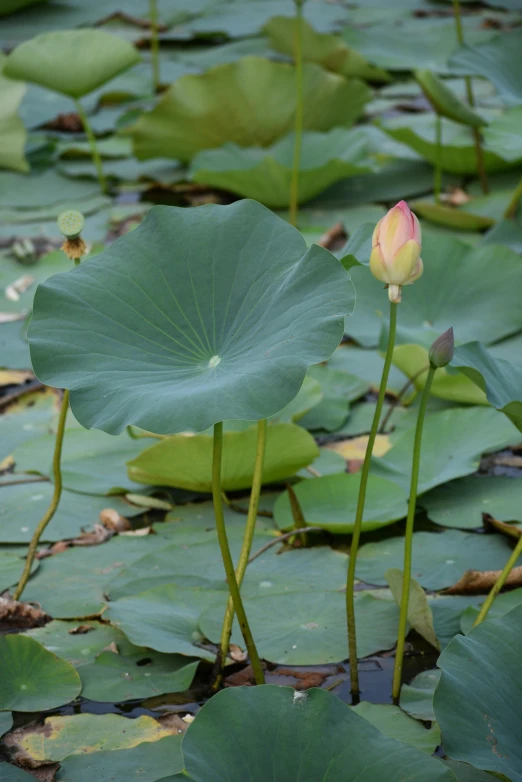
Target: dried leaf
81,630
14,377
22,615
114,521
94,538
354,449
19,286
455,197
511,530
334,237
237,654
482,581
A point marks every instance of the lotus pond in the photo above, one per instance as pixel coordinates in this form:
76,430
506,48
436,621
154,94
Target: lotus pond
260,391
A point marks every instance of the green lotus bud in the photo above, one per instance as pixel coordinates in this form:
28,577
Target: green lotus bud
442,350
70,223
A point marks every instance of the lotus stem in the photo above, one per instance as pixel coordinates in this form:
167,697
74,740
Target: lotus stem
246,548
96,157
298,128
514,202
55,501
227,557
477,140
154,45
350,581
410,382
501,580
437,173
408,539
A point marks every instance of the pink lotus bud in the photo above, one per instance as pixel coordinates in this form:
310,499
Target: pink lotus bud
442,350
396,246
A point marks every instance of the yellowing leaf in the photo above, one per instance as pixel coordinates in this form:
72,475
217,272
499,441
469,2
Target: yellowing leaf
356,447
420,615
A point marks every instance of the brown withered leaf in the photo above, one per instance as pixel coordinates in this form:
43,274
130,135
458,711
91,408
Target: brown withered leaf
482,581
173,722
334,238
81,630
305,679
243,678
19,614
114,521
456,196
511,530
237,654
99,535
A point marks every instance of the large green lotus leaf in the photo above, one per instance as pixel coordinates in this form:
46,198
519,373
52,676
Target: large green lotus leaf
309,628
6,722
14,349
413,44
185,461
439,559
458,153
198,316
266,174
77,642
79,734
73,584
203,111
499,60
480,684
73,62
447,384
166,618
196,523
331,501
14,774
23,505
92,462
395,724
417,696
148,762
465,773
501,605
461,503
499,379
269,732
12,129
11,566
329,51
452,444
488,311
37,680
339,389
502,137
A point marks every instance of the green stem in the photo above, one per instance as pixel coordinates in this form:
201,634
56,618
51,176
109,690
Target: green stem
410,382
57,493
501,580
350,581
477,140
154,44
514,202
437,173
408,539
257,481
227,557
92,143
298,130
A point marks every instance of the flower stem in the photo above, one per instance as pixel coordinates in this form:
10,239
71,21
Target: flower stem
227,557
92,143
350,581
154,45
246,548
298,130
57,493
501,580
408,539
437,172
514,202
479,152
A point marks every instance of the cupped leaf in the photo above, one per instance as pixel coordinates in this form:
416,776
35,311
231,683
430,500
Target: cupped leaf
445,102
498,378
34,679
479,688
73,62
12,129
197,316
270,732
329,51
203,111
420,615
185,461
417,696
461,503
499,60
266,174
331,501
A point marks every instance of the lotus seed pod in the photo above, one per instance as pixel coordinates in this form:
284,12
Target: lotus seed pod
71,223
396,246
442,350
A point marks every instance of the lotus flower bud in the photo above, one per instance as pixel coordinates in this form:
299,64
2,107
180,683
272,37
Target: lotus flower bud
396,247
442,350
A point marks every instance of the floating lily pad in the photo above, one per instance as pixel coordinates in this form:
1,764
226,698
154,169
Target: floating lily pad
366,365
250,732
266,174
453,442
77,642
489,312
196,522
309,628
502,604
327,463
448,612
23,505
38,680
499,60
439,559
339,389
14,774
73,62
148,762
203,111
11,566
417,697
14,134
310,394
395,724
31,417
501,135
461,503
480,682
6,722
185,461
331,501
445,102
236,346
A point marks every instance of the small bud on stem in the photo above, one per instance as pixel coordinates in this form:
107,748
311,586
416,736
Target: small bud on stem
442,350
